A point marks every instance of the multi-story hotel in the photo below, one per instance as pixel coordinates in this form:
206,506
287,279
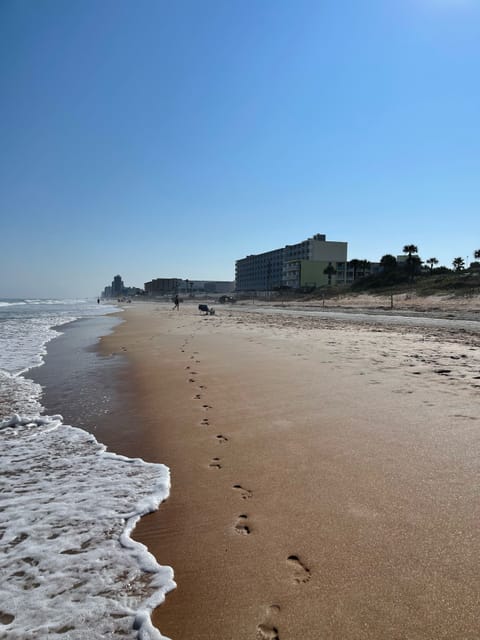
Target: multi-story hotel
294,266
162,286
166,286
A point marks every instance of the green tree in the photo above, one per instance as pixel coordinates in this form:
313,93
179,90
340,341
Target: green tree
354,264
432,262
413,262
410,249
364,266
476,254
458,264
388,262
329,271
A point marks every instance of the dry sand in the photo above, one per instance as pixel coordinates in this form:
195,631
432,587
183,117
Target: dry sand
324,475
443,303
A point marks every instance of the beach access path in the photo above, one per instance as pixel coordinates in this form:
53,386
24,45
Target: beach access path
324,473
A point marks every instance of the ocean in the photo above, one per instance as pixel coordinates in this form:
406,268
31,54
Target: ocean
69,568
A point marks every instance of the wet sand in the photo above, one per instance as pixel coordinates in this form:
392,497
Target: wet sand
324,474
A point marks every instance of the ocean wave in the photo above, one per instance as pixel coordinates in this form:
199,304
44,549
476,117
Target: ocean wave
23,344
70,567
26,329
64,301
19,395
4,303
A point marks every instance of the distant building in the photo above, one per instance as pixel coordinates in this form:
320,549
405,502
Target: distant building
166,286
208,286
117,287
295,266
162,286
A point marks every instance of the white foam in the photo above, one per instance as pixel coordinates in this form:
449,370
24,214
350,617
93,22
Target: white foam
19,395
66,301
26,330
24,344
69,567
4,303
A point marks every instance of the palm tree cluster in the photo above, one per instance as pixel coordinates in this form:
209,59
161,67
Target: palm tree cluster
359,267
413,262
397,271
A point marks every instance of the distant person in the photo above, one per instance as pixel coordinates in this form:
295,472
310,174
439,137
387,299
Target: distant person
176,303
98,300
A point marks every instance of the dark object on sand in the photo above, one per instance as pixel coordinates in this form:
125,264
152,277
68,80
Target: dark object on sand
206,310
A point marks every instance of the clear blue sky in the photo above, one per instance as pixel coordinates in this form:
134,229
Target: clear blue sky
168,139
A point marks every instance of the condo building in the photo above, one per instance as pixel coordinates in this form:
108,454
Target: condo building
294,266
162,286
117,286
166,286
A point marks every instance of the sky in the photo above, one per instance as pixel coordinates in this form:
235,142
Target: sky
152,138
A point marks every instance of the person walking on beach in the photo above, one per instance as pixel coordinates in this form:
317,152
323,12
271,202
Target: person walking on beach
176,303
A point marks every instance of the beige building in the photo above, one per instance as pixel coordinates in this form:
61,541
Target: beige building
293,266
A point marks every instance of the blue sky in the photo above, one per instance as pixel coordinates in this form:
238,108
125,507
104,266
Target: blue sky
168,139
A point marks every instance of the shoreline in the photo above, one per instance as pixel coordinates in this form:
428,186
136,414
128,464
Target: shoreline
76,382
75,505
320,475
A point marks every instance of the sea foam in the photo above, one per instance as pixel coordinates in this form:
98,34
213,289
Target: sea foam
69,566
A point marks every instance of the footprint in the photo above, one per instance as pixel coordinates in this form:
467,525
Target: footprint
267,630
6,618
221,438
205,422
215,463
301,573
242,526
191,379
206,406
197,397
244,493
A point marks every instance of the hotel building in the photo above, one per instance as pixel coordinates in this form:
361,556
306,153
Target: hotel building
295,266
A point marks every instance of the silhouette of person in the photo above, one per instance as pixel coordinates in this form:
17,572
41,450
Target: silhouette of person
176,302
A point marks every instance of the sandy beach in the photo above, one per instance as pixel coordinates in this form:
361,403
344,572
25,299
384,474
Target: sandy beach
324,473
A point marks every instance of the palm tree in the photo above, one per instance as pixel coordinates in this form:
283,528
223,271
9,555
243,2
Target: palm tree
329,271
458,264
364,265
355,264
431,262
411,249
